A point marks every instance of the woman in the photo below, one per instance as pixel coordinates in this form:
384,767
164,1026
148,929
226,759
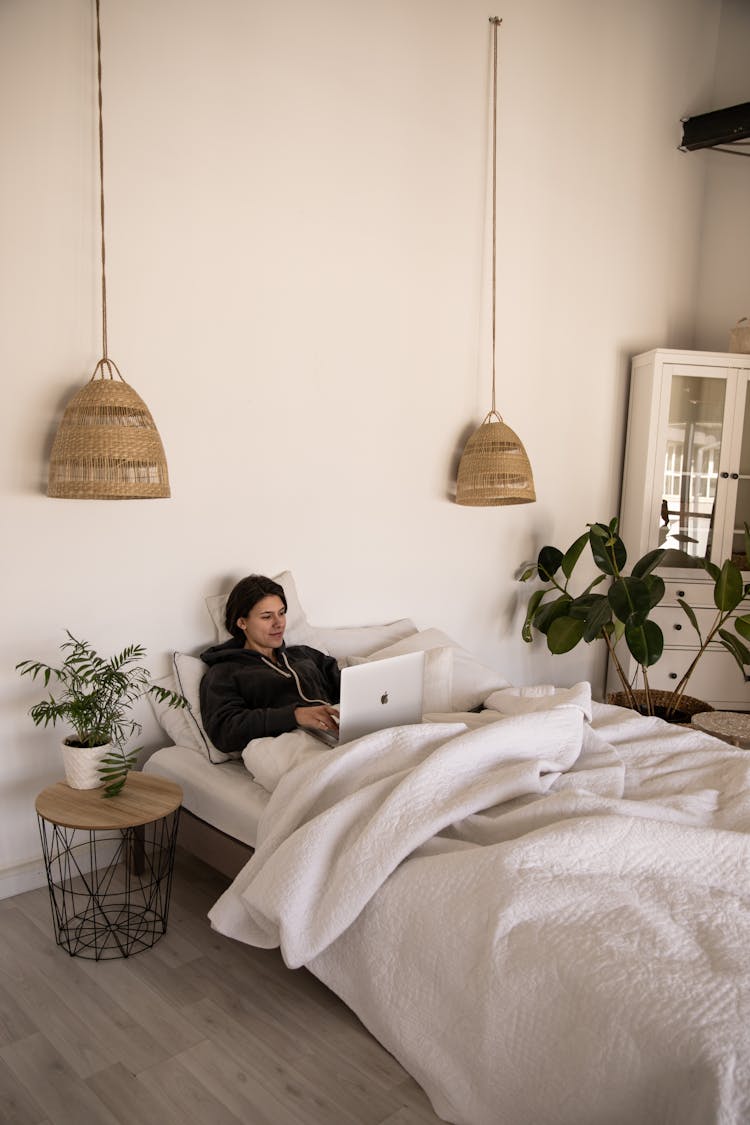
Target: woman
255,685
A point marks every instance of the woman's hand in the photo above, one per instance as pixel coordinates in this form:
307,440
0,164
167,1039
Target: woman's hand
319,717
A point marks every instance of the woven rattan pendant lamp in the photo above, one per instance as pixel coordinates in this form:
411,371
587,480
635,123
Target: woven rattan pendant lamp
107,446
494,468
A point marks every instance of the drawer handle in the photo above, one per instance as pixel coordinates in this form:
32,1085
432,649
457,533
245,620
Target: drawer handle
673,675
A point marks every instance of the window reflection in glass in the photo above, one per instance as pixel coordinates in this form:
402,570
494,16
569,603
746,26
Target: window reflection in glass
691,469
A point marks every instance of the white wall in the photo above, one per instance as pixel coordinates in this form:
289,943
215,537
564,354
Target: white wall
724,275
297,267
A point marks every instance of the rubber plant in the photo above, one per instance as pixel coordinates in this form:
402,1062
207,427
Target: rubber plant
95,698
621,613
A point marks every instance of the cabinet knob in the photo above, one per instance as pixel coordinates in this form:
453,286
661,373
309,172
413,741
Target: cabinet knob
678,627
724,476
735,476
680,593
673,675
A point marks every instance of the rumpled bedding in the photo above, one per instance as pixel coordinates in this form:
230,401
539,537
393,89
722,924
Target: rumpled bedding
543,912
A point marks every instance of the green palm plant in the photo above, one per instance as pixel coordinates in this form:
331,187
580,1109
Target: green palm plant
622,612
95,698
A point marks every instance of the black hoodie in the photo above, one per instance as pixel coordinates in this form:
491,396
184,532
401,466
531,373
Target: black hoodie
244,695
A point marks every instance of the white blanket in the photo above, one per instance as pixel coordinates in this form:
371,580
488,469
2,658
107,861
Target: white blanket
544,920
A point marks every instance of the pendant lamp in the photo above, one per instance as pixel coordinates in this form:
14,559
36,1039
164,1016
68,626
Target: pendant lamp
107,446
494,468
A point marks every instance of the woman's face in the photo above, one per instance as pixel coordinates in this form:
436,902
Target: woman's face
264,625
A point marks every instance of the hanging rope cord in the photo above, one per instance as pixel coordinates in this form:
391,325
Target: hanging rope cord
495,21
105,361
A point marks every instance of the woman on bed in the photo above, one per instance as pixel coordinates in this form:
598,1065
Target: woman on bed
255,685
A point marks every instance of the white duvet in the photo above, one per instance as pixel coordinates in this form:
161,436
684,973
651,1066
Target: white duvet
546,919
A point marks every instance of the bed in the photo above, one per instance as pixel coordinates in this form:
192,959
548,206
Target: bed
540,908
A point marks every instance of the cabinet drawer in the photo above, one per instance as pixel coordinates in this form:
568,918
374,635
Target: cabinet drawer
694,593
676,626
717,679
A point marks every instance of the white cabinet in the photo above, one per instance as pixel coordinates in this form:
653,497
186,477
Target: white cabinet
686,485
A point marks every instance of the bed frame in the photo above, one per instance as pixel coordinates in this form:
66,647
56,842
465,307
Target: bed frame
211,845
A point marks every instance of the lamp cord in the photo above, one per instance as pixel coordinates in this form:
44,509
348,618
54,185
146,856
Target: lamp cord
495,21
101,184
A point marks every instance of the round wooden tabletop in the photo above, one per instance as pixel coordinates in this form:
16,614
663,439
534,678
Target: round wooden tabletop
143,799
730,726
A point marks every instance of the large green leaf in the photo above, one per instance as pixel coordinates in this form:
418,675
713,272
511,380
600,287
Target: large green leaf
630,599
573,554
564,634
688,610
548,562
734,645
531,609
656,588
648,563
729,588
548,612
645,642
581,606
599,616
594,610
608,551
742,625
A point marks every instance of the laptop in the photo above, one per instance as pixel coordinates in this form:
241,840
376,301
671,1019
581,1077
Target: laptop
378,694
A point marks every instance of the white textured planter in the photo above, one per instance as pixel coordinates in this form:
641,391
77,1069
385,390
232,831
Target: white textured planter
82,765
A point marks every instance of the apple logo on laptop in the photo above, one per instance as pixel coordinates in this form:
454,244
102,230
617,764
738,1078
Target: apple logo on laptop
384,697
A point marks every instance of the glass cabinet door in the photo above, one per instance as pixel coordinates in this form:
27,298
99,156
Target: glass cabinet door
741,512
695,431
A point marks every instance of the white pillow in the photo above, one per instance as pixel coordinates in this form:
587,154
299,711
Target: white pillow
189,671
438,675
471,682
298,630
345,641
175,720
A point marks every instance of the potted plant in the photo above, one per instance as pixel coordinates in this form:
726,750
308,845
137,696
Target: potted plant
95,698
622,612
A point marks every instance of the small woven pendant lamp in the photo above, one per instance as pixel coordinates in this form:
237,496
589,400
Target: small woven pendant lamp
107,446
494,467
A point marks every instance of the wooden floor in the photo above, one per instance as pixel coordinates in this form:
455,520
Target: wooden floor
199,1029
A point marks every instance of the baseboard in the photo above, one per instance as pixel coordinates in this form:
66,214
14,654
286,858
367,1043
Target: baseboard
22,877
31,875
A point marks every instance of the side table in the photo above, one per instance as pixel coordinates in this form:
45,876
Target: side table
729,726
109,863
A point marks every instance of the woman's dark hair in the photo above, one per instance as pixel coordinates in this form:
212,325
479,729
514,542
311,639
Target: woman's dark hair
247,593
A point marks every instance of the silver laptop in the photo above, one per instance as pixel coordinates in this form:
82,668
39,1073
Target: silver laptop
378,694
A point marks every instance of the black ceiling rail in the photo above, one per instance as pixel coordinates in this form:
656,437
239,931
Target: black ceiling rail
726,130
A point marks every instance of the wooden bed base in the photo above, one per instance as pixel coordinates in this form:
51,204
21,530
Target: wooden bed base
214,847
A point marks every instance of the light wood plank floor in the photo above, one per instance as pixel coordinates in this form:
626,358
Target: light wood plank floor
198,1029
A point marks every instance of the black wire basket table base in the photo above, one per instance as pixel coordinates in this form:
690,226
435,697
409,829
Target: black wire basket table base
109,891
109,866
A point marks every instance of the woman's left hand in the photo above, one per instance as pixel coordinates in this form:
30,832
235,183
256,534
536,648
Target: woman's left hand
319,717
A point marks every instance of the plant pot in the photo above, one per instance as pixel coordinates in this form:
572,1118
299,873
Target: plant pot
689,705
82,765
